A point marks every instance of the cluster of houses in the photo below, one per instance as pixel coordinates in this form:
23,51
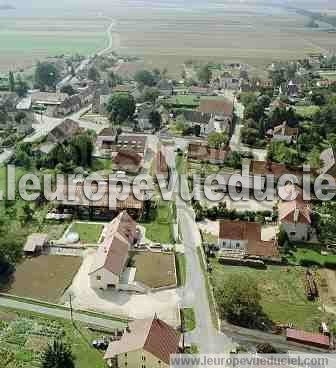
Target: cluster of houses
57,104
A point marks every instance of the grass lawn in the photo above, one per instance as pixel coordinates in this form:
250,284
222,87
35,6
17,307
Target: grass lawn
27,334
307,112
44,278
155,269
188,319
202,168
88,233
181,164
282,293
183,100
309,252
101,164
181,268
159,228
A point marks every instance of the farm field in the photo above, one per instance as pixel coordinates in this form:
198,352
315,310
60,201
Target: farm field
282,293
23,40
24,336
44,278
166,35
230,31
155,269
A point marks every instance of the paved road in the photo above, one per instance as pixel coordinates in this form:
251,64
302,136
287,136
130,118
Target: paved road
194,294
60,313
84,63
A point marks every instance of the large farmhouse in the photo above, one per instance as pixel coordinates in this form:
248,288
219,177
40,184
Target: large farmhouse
112,254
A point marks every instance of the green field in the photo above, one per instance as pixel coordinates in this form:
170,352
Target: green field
88,233
282,293
25,39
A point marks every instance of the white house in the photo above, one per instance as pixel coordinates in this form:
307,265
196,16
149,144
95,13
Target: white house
112,254
294,217
244,239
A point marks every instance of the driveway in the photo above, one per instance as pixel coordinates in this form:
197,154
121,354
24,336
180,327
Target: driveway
164,303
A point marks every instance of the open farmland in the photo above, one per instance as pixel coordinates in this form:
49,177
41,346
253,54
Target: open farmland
44,278
229,31
25,40
166,34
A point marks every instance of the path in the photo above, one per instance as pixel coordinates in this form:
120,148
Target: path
235,142
84,63
60,313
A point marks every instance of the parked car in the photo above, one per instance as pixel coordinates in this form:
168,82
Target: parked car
100,344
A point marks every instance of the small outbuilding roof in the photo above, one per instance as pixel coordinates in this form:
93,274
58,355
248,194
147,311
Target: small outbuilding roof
35,241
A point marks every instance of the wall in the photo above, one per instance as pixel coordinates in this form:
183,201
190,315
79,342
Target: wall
301,231
106,279
134,360
230,244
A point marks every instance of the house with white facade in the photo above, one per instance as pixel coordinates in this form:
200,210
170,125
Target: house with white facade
112,254
243,239
294,215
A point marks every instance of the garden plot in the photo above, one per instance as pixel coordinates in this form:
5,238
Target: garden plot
44,278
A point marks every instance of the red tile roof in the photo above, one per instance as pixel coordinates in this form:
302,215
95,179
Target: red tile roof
151,335
294,212
124,157
162,340
251,232
112,254
216,106
202,152
308,338
265,168
239,230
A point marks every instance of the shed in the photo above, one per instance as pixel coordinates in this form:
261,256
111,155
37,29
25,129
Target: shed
35,244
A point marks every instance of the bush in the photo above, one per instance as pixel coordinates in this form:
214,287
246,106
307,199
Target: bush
330,264
309,263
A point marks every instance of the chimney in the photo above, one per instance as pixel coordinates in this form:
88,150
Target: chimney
296,215
269,165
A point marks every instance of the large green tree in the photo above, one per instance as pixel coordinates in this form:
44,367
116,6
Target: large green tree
155,119
146,78
46,75
58,355
121,107
238,301
205,74
217,140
